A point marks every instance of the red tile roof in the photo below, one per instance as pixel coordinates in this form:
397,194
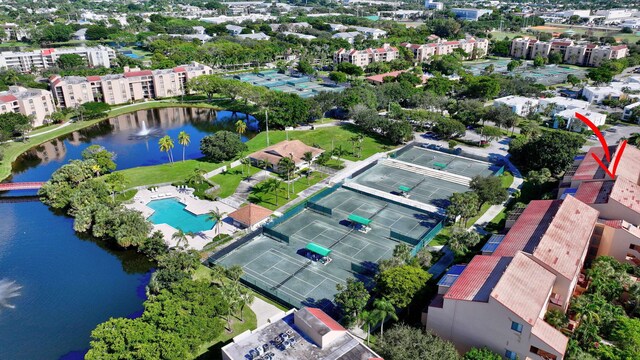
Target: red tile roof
594,192
616,224
251,214
286,148
589,168
380,77
627,193
93,78
8,98
326,319
179,69
629,166
47,51
478,279
138,73
618,47
556,232
524,288
550,336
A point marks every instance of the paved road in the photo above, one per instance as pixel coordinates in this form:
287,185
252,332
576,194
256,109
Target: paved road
623,131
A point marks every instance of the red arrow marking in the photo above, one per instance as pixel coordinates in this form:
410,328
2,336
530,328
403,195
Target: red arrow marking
597,133
605,147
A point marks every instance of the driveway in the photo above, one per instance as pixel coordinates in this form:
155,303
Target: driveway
622,131
498,147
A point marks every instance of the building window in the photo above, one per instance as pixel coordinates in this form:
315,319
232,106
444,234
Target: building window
516,326
510,355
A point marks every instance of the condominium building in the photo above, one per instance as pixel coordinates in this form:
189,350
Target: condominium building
584,54
433,5
500,298
46,58
36,103
132,85
474,48
470,14
520,105
365,57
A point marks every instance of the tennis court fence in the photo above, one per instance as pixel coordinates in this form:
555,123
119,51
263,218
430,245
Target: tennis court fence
319,208
427,238
234,246
402,237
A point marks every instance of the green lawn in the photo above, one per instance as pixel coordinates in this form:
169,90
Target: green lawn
211,349
268,199
230,179
163,173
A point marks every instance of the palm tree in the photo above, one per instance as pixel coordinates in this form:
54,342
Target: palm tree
354,141
241,127
184,139
274,185
245,161
263,164
338,152
368,320
196,177
308,158
180,237
217,216
286,165
246,298
383,309
359,146
166,144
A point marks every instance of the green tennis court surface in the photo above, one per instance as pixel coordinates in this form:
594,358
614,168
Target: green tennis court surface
448,163
424,189
282,270
303,86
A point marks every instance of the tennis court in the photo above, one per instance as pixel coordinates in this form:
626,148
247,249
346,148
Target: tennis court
446,162
281,268
427,190
546,75
303,86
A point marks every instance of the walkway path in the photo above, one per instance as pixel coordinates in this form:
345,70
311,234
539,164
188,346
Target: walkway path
243,190
494,210
264,311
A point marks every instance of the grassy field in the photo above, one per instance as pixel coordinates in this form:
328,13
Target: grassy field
268,199
156,174
230,180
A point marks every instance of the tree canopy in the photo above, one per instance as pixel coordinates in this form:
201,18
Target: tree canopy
403,342
222,146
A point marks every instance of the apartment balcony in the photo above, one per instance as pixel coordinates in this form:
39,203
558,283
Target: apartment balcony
556,300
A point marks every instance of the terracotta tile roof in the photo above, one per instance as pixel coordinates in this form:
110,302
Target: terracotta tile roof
616,224
478,279
589,168
556,232
48,51
524,288
179,69
380,77
138,73
627,193
93,78
8,98
325,319
594,192
251,214
286,148
618,47
629,166
550,336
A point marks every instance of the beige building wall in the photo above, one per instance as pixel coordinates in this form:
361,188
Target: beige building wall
35,103
622,244
477,324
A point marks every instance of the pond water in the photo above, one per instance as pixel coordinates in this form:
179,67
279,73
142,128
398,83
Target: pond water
56,286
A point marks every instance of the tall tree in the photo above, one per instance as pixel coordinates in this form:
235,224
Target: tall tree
383,309
400,284
184,139
217,216
351,300
465,205
489,190
405,342
166,145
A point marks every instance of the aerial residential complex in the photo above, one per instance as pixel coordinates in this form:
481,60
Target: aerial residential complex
474,48
134,85
500,298
365,57
46,58
36,103
584,54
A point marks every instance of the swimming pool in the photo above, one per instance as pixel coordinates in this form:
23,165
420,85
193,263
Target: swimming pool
173,213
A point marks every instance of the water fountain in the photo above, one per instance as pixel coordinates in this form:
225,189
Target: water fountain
8,290
146,132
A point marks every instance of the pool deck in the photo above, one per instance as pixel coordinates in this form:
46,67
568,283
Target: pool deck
193,205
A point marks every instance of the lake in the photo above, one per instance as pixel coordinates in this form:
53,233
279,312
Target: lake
69,284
